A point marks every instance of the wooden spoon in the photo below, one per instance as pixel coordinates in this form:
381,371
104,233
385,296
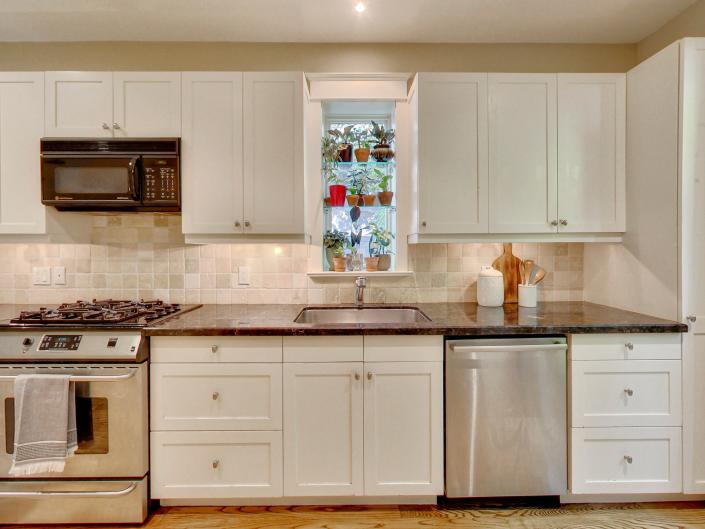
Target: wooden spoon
528,268
538,276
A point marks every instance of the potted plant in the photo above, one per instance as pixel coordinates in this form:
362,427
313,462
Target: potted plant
382,151
362,153
380,241
329,155
384,196
334,243
345,140
358,186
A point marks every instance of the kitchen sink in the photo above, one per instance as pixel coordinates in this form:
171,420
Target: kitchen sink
343,315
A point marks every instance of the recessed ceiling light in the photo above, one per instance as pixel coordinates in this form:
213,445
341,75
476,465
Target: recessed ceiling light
359,7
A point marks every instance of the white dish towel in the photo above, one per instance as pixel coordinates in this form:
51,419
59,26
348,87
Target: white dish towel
45,424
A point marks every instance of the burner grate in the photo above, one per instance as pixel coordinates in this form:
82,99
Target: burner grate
97,312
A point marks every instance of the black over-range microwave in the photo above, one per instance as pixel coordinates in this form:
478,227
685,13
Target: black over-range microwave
113,174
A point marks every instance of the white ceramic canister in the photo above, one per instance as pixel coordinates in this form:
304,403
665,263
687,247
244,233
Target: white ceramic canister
528,295
490,287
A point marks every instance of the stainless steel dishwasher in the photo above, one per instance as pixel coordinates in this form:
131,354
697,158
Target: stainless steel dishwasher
506,423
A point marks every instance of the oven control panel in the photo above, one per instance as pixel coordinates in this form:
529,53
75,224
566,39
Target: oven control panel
161,180
60,342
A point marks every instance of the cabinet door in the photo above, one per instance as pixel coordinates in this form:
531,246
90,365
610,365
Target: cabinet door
452,135
78,104
273,152
211,147
21,126
146,104
591,152
403,428
522,153
323,406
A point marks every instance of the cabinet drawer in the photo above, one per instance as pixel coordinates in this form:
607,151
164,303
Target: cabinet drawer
403,348
626,460
646,346
216,464
322,348
216,397
626,393
176,349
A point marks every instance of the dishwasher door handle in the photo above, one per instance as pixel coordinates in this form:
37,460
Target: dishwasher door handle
507,348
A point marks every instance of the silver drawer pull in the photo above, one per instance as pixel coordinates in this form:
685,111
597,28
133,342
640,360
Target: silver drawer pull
71,494
691,319
215,464
357,376
214,348
216,395
629,346
370,375
629,392
628,459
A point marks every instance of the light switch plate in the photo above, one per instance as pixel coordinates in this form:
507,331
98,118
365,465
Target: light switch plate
58,275
41,275
243,275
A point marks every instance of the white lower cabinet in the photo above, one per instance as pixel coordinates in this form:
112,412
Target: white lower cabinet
626,460
210,464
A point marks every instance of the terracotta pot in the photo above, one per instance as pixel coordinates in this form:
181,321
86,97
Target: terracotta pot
382,152
345,153
369,200
362,154
326,201
385,261
337,194
371,264
339,264
385,197
352,200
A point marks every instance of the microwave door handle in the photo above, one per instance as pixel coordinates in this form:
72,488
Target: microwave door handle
133,181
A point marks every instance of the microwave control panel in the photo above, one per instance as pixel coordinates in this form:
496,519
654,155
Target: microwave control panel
161,180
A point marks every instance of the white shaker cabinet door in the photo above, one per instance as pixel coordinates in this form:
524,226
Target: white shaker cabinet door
452,152
21,126
522,153
404,428
147,104
273,152
591,152
323,429
211,147
78,104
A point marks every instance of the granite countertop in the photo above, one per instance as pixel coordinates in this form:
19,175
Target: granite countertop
451,319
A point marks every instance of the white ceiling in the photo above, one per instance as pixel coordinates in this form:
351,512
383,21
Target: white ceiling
576,21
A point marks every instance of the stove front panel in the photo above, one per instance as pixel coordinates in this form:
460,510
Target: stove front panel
72,345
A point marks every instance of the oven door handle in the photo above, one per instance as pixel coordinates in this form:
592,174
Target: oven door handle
87,378
71,494
133,182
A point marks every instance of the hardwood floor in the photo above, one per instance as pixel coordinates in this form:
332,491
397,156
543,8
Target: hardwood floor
594,516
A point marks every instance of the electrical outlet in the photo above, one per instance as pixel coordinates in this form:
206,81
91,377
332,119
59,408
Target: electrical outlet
243,275
58,275
41,275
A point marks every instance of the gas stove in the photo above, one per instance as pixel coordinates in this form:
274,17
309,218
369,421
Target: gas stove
100,313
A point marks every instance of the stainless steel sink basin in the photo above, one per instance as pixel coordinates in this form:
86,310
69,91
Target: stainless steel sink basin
349,315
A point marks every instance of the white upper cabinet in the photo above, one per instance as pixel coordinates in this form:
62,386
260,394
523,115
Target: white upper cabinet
211,152
452,153
591,152
273,152
21,126
79,104
522,153
146,104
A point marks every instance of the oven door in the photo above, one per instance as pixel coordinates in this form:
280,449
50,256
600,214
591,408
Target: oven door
111,418
91,181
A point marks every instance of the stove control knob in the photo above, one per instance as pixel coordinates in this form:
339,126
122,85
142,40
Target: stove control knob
27,342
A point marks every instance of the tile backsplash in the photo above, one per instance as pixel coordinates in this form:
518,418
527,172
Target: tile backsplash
144,256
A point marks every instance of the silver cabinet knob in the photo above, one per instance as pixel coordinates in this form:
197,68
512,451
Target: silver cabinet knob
563,222
628,459
357,376
106,126
554,223
629,346
215,464
691,318
247,224
116,126
369,375
216,395
237,224
629,392
214,348
423,223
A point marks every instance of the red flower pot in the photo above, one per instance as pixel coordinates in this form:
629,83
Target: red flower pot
337,194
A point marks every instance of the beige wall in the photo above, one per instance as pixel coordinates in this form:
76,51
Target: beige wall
317,57
690,23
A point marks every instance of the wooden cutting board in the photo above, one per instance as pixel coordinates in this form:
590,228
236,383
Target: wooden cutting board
510,266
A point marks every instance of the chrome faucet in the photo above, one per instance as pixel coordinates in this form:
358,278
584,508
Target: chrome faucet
360,284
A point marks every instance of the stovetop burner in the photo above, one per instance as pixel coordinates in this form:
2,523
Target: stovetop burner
98,312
